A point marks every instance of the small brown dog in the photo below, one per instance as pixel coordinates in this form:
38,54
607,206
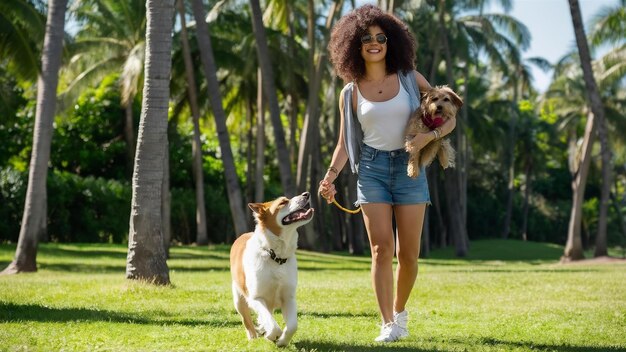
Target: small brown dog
439,105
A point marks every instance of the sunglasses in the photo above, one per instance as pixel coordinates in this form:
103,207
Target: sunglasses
368,38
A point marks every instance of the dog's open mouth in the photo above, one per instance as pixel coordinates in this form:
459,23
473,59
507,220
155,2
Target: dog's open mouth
304,213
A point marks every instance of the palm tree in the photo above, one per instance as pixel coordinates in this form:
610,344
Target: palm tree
201,236
146,252
461,39
310,136
573,247
609,29
34,220
519,83
566,98
210,71
269,88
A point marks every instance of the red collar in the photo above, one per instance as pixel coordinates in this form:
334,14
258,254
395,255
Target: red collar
431,122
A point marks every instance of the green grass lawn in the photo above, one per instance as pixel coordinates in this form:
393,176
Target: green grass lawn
506,296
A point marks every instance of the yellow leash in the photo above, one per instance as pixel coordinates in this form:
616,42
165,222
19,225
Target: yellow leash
355,211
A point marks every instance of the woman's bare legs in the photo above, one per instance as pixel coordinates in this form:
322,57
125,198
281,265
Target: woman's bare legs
409,222
377,218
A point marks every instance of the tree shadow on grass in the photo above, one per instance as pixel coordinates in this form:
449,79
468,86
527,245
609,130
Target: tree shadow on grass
81,251
452,345
83,268
337,314
120,269
525,271
308,345
10,312
507,345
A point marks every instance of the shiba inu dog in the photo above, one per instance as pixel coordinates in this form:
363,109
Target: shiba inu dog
264,268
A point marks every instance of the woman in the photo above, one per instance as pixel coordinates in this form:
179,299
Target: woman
375,52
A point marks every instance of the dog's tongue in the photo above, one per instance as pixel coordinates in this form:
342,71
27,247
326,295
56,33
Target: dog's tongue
432,122
301,214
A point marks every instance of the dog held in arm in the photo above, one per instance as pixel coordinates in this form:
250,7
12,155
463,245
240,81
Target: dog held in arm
263,267
438,105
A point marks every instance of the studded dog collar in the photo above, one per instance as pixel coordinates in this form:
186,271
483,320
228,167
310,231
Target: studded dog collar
275,258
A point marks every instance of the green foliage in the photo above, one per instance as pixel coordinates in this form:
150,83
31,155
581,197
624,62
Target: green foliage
16,134
87,209
89,152
507,296
89,141
12,194
22,28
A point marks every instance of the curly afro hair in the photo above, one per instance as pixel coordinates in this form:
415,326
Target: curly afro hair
345,42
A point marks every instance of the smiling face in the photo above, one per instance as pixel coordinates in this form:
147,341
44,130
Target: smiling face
283,213
372,50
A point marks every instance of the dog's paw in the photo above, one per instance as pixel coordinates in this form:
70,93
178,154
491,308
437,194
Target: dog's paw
283,341
259,330
412,171
252,334
273,334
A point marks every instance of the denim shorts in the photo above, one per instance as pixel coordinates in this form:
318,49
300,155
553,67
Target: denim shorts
383,179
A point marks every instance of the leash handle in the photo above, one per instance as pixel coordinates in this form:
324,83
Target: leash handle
355,211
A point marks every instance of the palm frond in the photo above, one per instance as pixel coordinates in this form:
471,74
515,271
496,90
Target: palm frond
608,26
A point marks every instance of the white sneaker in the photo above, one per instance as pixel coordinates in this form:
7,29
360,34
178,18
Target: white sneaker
389,332
402,320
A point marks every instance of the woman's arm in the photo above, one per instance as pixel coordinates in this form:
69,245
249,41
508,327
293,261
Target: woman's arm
422,83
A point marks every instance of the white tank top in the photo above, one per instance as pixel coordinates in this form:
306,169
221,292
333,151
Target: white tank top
384,122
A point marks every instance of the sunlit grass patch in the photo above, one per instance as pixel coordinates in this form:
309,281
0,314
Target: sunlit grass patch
506,296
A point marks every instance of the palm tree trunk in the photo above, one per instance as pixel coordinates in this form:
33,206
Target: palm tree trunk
310,129
433,173
269,88
208,63
510,160
425,241
433,182
259,188
620,216
528,172
304,154
146,259
166,204
309,138
250,152
129,133
202,237
292,94
597,109
580,171
34,218
454,177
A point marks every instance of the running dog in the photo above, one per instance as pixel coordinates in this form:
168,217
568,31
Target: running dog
439,104
263,267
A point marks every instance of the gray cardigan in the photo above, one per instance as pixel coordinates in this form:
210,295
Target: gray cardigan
352,132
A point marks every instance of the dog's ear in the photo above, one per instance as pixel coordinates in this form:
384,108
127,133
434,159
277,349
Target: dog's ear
257,208
456,100
424,93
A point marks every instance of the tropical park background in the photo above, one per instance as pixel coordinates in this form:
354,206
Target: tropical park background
133,134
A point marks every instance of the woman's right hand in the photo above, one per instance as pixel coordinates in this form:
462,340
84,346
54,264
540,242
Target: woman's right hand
420,141
327,190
